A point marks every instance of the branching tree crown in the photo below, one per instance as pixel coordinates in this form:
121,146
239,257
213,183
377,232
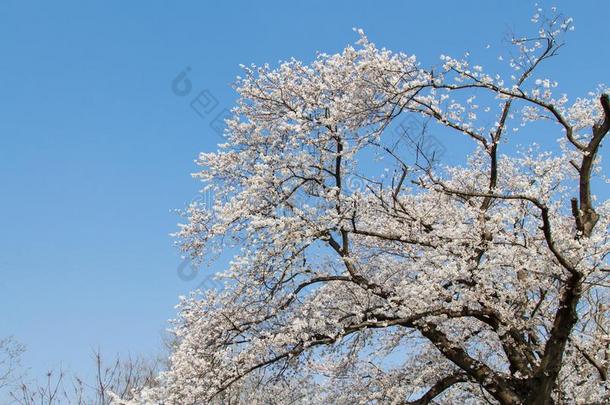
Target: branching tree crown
479,283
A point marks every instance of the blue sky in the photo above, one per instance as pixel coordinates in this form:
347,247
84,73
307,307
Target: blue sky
96,149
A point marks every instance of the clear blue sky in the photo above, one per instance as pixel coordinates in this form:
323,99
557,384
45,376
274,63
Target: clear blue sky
96,149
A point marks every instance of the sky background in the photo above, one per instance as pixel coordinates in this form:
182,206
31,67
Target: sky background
96,149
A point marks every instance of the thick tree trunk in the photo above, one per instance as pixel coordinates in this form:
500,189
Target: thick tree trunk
544,380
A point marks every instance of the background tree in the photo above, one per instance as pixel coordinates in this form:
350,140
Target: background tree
10,360
485,282
119,379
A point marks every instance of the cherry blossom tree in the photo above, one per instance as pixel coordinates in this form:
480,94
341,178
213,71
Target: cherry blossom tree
481,282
